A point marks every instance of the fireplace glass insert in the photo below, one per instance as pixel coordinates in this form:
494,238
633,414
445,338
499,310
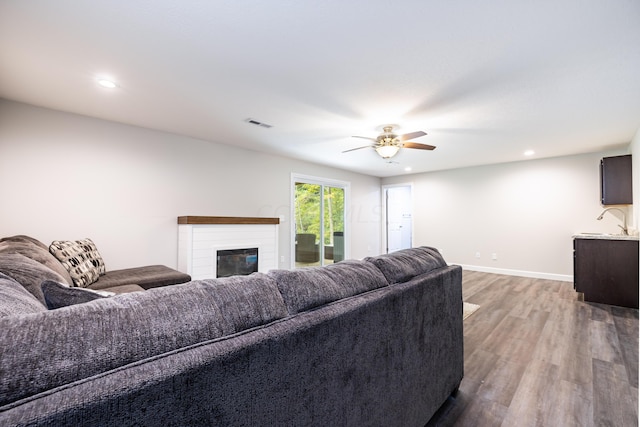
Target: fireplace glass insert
236,262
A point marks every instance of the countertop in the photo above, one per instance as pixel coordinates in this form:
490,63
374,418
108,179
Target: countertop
603,236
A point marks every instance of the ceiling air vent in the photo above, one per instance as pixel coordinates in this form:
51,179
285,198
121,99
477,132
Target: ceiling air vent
257,123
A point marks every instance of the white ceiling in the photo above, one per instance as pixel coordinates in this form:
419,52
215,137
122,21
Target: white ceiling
486,80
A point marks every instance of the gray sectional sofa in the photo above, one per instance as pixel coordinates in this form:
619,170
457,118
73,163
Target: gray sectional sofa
374,342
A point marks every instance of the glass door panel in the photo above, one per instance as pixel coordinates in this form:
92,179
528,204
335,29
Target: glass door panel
333,224
319,212
308,207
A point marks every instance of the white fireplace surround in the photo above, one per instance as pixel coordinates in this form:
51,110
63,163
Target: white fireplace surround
199,239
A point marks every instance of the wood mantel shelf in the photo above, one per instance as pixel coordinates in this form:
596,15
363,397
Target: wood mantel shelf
199,220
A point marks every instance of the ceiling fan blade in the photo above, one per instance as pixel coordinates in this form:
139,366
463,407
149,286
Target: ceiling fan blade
411,135
365,137
359,148
418,146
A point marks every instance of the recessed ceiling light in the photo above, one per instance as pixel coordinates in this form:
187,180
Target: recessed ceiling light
529,153
107,83
407,169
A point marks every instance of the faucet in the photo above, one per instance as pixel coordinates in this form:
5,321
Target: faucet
625,232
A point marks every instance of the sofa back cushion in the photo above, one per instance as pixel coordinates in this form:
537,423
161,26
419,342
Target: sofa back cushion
23,239
83,340
309,287
29,273
401,266
246,301
36,250
15,299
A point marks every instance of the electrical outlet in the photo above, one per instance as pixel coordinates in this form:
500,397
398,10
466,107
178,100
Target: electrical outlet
477,254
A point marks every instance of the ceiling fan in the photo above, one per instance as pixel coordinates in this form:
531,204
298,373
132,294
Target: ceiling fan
387,144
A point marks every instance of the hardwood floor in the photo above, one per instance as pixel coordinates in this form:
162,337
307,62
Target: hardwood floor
537,356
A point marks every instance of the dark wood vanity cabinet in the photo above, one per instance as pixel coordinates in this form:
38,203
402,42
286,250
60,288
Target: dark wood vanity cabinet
606,271
615,180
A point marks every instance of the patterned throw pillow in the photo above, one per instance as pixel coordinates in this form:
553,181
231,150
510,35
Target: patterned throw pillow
81,259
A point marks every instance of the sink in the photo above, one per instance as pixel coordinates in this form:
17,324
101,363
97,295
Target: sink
594,234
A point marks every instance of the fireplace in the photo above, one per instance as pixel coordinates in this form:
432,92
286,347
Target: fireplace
234,262
200,238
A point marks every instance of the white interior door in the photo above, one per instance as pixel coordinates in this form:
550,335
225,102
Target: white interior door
399,220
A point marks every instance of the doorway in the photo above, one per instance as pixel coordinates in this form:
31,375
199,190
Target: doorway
398,217
319,215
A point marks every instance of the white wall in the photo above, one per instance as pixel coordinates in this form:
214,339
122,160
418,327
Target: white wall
65,176
525,212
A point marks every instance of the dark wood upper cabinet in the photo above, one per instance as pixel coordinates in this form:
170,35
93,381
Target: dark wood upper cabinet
615,180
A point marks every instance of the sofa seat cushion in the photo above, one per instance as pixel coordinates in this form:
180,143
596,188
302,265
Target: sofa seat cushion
400,266
16,300
81,259
122,289
36,250
147,277
29,273
309,287
58,295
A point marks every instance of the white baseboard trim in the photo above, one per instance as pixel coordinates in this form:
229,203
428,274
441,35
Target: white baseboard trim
521,273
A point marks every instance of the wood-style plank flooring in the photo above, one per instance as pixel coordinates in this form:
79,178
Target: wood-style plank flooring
537,356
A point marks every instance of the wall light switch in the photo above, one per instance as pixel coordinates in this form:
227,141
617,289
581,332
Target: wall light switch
494,256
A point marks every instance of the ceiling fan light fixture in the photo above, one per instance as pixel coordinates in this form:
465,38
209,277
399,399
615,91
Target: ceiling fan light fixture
387,151
387,144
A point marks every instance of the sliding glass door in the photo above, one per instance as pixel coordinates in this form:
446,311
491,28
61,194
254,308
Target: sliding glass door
319,221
